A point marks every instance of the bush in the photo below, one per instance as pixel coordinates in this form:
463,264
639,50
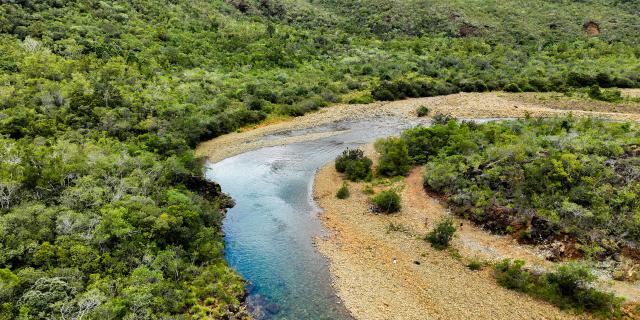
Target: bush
364,99
512,87
474,265
569,286
387,201
441,118
394,157
354,165
422,111
343,192
442,234
611,95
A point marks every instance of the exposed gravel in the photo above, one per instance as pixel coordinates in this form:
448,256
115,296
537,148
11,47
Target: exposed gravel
461,105
361,253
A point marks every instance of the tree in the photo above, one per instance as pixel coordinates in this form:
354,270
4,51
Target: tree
394,157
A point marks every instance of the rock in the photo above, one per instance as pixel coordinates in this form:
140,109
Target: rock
272,308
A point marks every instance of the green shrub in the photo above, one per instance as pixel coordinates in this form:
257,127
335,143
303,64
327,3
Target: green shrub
442,234
569,286
364,99
441,118
512,87
354,165
394,157
387,201
474,265
422,111
343,192
255,104
610,95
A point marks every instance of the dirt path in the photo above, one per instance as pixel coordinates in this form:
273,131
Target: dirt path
471,241
424,283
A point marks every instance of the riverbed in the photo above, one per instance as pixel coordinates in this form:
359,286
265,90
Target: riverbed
269,171
269,233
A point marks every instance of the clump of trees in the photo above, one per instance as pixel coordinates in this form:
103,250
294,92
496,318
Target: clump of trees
569,286
539,178
570,176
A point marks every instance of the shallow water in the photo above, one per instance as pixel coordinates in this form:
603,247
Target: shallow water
269,233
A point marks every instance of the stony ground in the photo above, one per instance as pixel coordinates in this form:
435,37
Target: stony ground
424,283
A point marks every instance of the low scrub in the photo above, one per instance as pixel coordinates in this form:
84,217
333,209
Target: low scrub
440,237
343,192
387,201
354,165
569,286
559,176
609,95
422,111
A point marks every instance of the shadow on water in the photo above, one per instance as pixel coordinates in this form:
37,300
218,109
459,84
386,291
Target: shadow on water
269,233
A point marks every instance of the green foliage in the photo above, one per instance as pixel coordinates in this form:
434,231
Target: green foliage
442,234
343,192
512,87
354,165
475,265
571,175
102,203
569,286
387,201
422,111
611,95
442,118
368,189
394,157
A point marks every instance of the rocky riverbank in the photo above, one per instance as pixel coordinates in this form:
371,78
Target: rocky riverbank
422,283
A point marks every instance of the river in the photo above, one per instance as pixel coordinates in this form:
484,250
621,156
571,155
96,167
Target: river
269,233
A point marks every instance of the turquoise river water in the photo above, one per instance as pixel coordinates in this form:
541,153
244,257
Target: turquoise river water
269,233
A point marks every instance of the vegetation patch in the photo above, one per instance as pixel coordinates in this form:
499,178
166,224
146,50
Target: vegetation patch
343,192
569,286
387,201
394,157
422,111
442,234
354,165
543,179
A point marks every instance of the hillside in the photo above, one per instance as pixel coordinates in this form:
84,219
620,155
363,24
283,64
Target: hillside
103,209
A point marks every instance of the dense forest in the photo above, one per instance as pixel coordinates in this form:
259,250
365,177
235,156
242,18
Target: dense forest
103,209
